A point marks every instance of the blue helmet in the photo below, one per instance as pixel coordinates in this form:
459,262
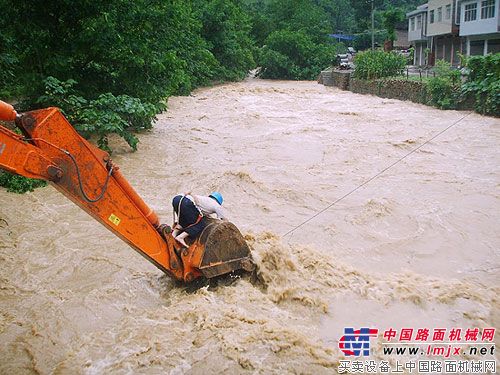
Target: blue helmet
217,196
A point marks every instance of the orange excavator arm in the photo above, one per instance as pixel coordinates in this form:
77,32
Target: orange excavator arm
51,149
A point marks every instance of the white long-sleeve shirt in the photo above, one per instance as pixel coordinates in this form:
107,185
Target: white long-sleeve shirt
209,206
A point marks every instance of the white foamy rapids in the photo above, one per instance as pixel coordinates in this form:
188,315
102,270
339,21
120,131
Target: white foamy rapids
270,325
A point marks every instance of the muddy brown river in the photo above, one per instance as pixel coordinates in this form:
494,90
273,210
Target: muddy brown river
416,247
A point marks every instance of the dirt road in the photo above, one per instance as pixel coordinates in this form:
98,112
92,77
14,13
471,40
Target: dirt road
416,247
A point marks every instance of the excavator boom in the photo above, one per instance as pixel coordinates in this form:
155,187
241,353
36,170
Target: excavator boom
52,150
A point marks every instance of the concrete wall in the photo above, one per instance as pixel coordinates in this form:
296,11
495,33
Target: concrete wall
326,78
341,79
401,39
392,88
418,33
445,26
401,89
337,78
414,91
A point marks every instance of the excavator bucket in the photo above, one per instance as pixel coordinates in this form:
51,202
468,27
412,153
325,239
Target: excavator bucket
225,250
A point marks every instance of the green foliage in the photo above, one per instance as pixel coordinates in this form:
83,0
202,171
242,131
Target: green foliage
294,55
378,64
146,49
362,11
391,17
19,184
364,40
293,35
483,67
487,93
102,116
445,87
137,48
227,31
7,65
314,18
484,83
302,16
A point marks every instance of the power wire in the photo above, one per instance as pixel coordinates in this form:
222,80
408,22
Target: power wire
373,177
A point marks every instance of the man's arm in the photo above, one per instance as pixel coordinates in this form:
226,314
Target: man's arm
219,211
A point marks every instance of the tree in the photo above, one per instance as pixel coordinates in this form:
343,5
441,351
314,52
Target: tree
294,55
261,24
138,48
362,11
303,16
340,13
226,28
391,17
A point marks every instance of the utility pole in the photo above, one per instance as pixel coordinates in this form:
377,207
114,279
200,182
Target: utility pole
373,27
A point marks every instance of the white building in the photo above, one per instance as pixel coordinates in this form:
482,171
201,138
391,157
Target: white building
479,22
443,29
444,42
417,33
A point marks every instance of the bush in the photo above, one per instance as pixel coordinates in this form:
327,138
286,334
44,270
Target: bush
19,184
484,83
483,67
445,87
293,55
102,116
378,64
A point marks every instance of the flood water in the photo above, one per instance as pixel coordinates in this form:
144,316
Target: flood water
416,247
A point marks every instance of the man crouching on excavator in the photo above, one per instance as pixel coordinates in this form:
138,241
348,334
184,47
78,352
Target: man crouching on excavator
190,212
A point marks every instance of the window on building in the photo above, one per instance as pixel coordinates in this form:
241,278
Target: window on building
431,16
493,45
440,14
412,24
487,9
448,12
419,22
476,48
470,12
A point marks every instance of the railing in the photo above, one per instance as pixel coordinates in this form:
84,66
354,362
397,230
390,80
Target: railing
421,72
